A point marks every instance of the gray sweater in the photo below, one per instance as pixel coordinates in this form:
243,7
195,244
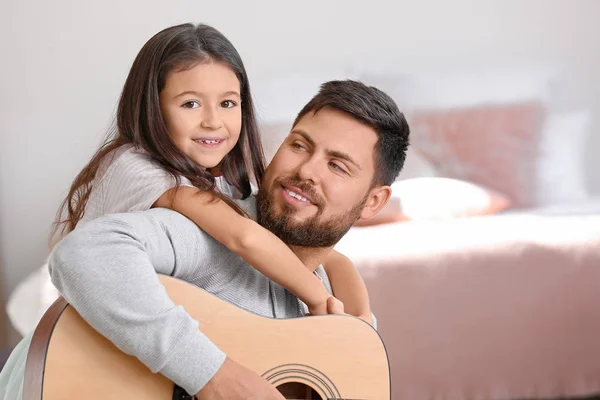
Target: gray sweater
107,269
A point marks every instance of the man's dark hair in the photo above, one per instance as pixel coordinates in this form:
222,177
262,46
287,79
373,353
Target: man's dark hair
375,109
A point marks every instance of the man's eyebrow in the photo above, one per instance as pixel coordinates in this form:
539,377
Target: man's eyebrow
304,135
331,153
343,156
198,94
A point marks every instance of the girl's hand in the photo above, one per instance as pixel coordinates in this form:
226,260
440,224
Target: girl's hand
335,306
331,306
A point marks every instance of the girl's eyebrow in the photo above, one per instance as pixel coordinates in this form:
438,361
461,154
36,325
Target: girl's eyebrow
198,94
232,93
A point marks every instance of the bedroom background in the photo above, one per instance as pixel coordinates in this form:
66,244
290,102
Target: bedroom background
65,63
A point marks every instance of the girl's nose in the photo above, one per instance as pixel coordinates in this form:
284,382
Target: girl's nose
210,120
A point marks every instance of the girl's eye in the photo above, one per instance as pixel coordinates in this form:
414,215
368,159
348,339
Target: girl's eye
191,104
228,104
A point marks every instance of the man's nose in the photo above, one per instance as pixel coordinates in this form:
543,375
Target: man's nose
210,119
310,170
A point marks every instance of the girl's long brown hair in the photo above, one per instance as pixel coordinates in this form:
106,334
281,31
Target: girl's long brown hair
139,120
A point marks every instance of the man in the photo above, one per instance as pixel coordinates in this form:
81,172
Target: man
346,147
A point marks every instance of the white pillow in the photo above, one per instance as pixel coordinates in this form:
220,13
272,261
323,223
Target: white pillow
30,300
444,198
424,199
561,166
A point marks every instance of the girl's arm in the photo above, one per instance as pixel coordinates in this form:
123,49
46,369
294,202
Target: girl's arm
255,244
348,286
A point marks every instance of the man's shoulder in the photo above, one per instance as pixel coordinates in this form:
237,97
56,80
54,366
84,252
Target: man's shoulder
164,218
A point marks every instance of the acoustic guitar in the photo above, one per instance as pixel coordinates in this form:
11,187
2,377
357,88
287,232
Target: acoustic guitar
330,357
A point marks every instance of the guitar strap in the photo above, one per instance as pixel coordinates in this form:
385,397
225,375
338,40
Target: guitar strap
38,349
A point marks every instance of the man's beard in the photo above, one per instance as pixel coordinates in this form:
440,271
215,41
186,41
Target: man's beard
313,232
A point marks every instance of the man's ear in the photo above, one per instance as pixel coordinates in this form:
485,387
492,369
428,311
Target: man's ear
377,199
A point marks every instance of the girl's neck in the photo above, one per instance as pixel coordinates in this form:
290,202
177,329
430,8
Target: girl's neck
215,171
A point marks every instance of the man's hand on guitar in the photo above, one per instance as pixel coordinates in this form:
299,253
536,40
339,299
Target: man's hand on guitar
236,382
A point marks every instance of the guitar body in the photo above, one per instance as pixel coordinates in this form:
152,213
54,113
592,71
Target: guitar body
321,357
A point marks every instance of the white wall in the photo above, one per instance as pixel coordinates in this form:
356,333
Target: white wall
64,62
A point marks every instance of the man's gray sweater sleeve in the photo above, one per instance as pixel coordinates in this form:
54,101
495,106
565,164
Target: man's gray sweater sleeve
107,269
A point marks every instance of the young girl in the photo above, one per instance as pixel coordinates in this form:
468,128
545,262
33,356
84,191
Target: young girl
186,138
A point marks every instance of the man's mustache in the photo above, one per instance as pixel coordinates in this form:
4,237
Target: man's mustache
304,186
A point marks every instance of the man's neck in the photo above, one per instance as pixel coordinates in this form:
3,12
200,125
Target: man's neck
312,257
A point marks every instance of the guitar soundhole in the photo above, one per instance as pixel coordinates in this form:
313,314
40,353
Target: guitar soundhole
303,382
300,391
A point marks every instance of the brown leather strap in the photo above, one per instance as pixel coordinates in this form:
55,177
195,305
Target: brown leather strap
36,357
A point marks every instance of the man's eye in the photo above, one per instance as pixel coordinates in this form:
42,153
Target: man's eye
191,104
337,167
228,104
298,146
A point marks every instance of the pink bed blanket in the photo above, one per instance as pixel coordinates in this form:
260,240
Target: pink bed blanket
501,307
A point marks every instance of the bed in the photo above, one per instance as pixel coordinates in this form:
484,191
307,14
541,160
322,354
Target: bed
505,306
